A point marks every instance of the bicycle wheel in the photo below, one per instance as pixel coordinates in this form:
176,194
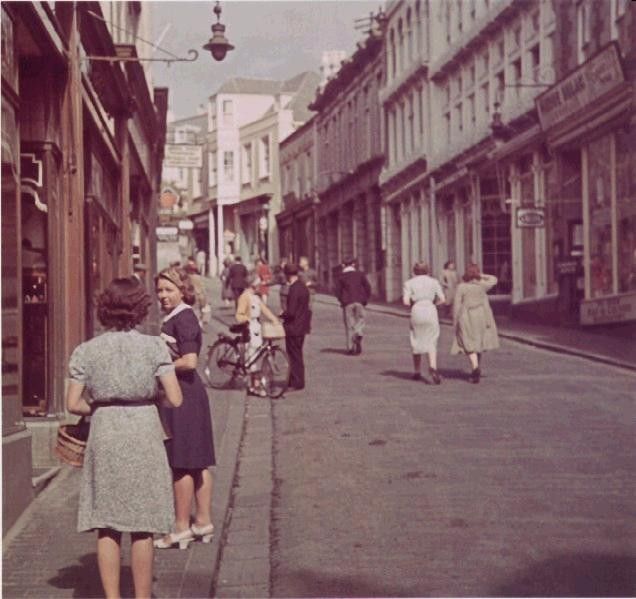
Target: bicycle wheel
275,372
222,365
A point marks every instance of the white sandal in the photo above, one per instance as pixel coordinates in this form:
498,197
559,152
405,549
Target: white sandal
205,533
183,538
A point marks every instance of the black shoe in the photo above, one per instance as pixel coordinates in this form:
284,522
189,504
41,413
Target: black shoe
475,376
437,379
357,344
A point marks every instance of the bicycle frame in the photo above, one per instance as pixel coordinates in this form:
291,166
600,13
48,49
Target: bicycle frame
244,366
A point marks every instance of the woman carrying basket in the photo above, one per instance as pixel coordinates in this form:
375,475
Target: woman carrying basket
126,482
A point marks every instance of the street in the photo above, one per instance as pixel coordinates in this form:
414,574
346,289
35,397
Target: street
384,486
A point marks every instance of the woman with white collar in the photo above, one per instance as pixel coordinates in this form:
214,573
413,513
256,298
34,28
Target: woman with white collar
190,447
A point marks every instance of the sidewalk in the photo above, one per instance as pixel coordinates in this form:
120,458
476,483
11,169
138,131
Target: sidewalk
44,556
592,344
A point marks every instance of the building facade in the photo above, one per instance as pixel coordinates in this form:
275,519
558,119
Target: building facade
82,143
349,156
247,118
297,219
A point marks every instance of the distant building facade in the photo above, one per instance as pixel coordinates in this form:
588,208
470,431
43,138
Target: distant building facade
349,158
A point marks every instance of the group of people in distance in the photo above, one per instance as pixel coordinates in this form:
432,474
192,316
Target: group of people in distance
474,325
146,462
147,458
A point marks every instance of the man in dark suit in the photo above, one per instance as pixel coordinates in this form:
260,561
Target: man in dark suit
237,278
297,323
353,292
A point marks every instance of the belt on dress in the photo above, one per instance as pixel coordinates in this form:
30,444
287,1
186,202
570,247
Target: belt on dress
132,403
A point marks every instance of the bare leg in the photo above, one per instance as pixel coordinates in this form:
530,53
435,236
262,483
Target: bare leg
474,360
183,495
432,360
203,497
108,561
141,555
417,363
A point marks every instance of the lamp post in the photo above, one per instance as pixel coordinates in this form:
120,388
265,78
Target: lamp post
218,45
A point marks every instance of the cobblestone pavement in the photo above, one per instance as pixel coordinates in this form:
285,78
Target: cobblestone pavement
384,486
44,556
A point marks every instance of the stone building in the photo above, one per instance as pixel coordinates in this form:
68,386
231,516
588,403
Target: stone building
242,160
349,158
297,219
82,144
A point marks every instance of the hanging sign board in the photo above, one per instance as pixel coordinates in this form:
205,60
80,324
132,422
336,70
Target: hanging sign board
618,308
530,218
595,78
167,233
182,156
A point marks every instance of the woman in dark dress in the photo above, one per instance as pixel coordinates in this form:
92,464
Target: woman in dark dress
190,446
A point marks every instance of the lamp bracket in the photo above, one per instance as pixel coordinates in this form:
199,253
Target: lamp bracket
192,53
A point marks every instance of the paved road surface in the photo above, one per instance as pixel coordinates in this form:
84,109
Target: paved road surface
523,484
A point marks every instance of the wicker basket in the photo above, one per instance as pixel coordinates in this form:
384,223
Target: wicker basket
69,448
270,330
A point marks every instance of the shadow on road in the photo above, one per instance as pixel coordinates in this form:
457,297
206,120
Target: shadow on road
400,374
83,578
333,350
454,373
307,583
583,575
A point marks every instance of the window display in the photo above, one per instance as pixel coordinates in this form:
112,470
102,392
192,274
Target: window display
600,210
626,208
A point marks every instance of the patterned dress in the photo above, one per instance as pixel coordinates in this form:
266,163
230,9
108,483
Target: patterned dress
126,481
191,446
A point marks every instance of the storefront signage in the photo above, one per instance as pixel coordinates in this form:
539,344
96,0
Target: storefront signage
619,308
593,79
167,233
530,218
186,225
568,267
182,156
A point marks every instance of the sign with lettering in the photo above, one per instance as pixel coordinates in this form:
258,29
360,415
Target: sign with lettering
167,233
530,218
568,267
598,76
182,156
618,308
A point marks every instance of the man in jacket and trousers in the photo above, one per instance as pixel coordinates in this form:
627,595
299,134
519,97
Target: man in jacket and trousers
297,323
353,291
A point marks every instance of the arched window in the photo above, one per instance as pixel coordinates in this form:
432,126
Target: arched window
400,62
392,58
409,36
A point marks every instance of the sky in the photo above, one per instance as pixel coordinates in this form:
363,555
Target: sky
272,39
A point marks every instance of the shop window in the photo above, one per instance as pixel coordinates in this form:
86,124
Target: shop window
626,208
528,235
600,210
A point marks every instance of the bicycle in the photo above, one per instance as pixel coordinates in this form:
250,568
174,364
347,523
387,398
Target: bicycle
226,362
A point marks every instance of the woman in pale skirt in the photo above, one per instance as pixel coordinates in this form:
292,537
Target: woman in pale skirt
422,293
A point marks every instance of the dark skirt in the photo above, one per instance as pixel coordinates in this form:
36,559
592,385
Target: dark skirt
191,446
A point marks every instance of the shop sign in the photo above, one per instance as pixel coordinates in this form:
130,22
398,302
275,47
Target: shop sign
186,225
530,218
167,233
618,308
568,267
589,82
182,156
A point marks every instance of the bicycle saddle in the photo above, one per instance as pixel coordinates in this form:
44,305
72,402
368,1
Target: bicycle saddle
239,328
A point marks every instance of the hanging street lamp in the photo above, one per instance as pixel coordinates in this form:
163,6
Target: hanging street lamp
218,45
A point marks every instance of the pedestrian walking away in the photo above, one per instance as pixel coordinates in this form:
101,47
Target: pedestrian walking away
473,320
200,258
449,285
249,309
353,292
422,293
264,273
190,446
227,295
237,278
308,276
126,481
297,323
201,304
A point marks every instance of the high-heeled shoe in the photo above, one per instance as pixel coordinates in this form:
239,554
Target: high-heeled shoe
437,379
205,533
183,539
475,375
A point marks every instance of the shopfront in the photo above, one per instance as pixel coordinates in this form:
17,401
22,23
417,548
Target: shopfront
590,122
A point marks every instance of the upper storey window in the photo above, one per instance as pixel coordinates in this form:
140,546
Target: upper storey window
582,29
